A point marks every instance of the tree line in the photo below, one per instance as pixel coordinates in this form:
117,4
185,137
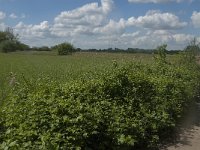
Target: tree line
9,42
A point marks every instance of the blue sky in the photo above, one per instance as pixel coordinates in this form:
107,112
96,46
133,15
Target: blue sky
103,23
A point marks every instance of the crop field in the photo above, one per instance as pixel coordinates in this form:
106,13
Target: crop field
34,65
91,100
63,66
61,69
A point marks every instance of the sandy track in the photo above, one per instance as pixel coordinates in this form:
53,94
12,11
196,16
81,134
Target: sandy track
188,136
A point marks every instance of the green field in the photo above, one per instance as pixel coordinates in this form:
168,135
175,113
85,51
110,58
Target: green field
93,100
34,65
62,67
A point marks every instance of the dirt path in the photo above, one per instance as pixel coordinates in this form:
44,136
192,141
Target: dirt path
188,135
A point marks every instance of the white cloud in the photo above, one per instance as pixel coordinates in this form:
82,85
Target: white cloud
196,19
89,26
2,15
23,16
139,39
157,20
91,19
2,26
166,36
130,35
81,20
112,27
155,1
13,16
183,38
107,5
30,31
34,35
151,39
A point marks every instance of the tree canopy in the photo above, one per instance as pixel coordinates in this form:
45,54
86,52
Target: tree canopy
9,41
65,48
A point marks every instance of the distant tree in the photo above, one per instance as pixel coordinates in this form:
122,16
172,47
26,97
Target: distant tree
10,36
161,53
9,41
193,47
78,49
191,51
43,48
22,47
65,48
8,46
2,36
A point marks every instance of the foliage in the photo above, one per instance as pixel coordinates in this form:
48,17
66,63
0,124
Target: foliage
22,47
12,46
8,35
43,48
8,46
9,42
126,107
190,52
64,48
2,36
161,53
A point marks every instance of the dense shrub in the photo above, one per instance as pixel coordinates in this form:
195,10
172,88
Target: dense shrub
9,42
11,46
22,47
125,108
8,46
64,48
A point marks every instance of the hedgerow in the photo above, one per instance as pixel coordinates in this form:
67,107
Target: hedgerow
128,107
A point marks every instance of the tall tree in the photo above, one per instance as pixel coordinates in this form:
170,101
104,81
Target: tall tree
2,36
9,41
8,35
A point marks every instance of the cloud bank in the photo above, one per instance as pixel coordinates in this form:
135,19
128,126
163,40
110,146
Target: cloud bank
90,26
2,15
196,19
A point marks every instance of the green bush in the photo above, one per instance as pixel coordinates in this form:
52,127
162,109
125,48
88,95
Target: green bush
9,42
12,46
128,107
8,46
22,47
65,48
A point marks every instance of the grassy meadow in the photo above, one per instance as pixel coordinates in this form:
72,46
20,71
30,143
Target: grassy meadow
34,65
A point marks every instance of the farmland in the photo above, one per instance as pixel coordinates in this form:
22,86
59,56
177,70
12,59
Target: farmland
34,65
93,100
